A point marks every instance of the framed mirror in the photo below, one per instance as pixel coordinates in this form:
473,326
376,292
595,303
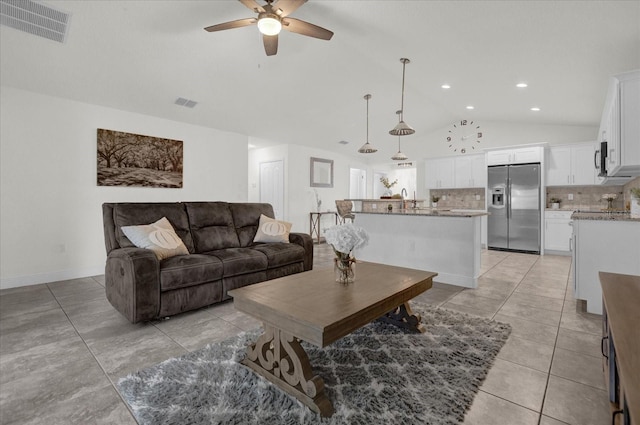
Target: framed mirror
321,172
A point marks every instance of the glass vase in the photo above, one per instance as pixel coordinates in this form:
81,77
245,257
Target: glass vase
344,269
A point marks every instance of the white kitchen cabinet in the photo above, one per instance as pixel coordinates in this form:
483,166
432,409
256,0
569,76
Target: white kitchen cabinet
602,245
470,171
569,165
522,155
557,231
440,173
620,126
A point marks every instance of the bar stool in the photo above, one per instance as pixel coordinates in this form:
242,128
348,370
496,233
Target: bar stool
344,211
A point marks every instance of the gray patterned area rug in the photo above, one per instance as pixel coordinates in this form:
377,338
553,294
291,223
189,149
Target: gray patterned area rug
380,374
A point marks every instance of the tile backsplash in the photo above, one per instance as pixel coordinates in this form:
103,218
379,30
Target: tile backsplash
467,199
585,197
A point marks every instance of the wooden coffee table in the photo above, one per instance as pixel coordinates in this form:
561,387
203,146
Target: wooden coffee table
311,306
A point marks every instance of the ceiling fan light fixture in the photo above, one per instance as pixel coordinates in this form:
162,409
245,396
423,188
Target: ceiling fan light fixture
269,24
367,147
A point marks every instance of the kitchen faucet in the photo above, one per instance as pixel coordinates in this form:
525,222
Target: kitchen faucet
404,193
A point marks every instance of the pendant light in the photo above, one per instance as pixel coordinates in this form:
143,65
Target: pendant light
399,156
402,129
367,148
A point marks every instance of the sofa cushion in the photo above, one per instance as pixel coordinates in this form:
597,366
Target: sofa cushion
188,270
211,226
159,237
238,261
281,254
272,230
246,218
132,214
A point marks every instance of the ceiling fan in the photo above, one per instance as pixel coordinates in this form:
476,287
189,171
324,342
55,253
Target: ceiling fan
273,17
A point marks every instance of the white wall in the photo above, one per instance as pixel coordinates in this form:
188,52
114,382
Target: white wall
50,205
300,197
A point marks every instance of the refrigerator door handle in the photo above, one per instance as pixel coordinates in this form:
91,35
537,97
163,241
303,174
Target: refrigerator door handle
508,198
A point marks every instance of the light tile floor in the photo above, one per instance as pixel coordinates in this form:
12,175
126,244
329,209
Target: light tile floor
62,346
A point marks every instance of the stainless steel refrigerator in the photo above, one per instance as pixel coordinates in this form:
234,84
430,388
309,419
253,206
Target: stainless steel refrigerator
514,208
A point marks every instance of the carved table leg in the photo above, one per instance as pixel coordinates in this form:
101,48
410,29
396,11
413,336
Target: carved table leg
403,317
279,357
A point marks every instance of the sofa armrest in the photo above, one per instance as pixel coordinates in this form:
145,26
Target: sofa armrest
305,241
132,283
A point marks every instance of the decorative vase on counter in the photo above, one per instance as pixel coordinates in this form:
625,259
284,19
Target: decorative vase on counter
555,206
344,269
434,204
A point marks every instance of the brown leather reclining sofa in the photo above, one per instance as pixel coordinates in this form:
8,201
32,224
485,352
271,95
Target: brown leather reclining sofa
222,256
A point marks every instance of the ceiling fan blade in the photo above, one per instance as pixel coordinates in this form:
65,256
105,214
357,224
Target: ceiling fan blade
286,7
305,28
251,4
270,44
231,25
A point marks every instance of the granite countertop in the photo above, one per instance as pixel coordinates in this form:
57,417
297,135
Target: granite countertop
604,215
432,212
387,200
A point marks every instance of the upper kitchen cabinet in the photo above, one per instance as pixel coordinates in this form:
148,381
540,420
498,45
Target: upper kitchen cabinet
470,171
620,126
522,155
456,172
569,165
440,173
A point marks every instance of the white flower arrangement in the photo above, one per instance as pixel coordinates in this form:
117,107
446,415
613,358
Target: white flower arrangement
610,196
345,238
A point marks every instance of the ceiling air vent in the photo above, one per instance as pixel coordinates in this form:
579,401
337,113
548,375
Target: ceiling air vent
35,18
187,103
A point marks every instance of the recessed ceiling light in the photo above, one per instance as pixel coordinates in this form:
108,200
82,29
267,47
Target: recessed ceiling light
535,109
470,107
343,142
521,85
445,86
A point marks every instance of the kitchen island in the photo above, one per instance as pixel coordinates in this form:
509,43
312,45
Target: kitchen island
602,242
443,241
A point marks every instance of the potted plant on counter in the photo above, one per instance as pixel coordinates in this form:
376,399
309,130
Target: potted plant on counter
434,201
555,203
386,183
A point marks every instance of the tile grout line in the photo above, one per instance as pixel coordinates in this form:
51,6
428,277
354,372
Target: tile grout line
104,371
553,354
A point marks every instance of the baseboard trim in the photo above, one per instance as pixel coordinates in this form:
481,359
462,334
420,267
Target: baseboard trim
36,279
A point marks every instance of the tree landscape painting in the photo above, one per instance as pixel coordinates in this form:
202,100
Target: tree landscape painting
126,159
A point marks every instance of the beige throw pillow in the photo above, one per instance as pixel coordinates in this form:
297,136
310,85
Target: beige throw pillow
159,237
272,230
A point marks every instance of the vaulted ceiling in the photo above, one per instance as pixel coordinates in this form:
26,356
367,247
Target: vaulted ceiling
141,56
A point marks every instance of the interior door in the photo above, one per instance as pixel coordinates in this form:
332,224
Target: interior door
524,209
357,183
272,186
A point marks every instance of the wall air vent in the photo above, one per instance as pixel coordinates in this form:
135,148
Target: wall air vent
35,18
185,102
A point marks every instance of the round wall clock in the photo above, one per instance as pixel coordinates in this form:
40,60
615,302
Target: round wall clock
464,136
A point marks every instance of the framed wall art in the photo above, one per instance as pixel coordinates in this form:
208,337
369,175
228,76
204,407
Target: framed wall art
127,159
